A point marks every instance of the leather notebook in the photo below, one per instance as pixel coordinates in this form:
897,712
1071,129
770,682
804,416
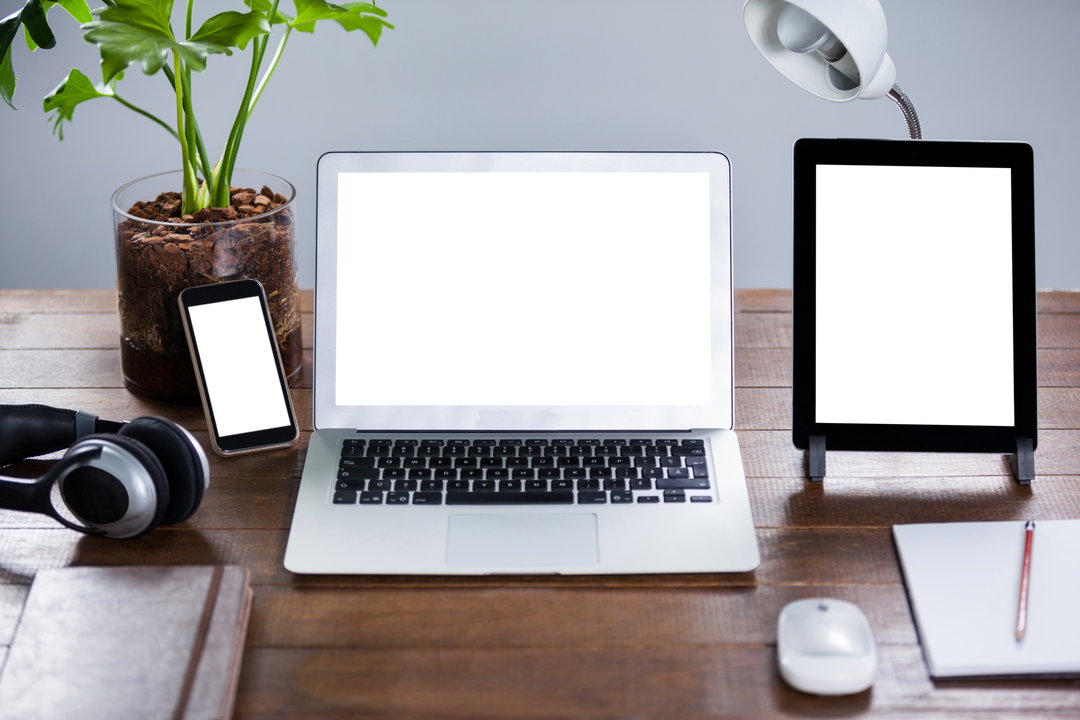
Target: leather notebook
128,642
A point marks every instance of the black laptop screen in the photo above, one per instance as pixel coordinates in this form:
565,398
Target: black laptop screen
523,289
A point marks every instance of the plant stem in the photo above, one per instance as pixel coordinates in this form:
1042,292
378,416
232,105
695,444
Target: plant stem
194,136
187,21
139,110
232,145
189,197
269,71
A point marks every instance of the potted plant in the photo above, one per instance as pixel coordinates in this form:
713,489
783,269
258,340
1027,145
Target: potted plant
209,221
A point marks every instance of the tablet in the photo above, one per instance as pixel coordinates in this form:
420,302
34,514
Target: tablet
914,295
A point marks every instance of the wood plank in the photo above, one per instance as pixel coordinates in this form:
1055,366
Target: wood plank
770,408
1059,368
57,301
1059,331
718,681
341,617
762,300
769,453
886,501
1058,301
120,404
760,408
60,368
1059,408
762,330
790,556
89,330
763,368
79,369
86,301
19,332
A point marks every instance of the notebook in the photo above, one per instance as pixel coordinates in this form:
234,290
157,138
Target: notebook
152,643
523,363
963,580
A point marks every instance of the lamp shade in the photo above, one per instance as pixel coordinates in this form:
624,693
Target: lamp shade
799,37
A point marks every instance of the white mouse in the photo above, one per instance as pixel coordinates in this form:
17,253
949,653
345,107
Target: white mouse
826,647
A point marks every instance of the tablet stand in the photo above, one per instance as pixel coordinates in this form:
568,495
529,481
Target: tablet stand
817,458
1023,463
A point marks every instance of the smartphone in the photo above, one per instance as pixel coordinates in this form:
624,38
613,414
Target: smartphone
237,367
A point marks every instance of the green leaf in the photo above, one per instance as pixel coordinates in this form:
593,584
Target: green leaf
77,9
37,27
366,7
229,29
7,78
263,6
76,88
308,12
131,31
138,31
358,19
8,27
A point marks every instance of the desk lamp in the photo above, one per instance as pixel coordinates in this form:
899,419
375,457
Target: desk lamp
835,49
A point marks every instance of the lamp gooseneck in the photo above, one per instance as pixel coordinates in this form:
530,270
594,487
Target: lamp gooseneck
911,117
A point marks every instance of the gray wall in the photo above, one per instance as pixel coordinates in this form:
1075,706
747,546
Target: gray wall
563,74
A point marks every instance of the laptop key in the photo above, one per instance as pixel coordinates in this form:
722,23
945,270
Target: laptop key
701,498
682,484
369,497
345,497
674,496
510,498
622,496
397,498
648,499
427,498
591,497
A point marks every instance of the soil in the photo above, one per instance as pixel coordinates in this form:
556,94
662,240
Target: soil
155,262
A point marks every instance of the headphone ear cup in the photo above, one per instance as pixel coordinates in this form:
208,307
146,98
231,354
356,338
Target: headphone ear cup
181,457
98,497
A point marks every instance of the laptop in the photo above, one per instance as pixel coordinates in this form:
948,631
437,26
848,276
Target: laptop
523,364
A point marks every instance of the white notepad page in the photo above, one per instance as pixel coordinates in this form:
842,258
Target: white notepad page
963,581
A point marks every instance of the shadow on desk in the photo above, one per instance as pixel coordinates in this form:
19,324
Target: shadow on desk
877,502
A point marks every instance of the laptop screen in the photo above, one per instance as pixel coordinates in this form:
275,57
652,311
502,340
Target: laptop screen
522,297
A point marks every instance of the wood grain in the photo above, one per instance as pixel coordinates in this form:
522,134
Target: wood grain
671,646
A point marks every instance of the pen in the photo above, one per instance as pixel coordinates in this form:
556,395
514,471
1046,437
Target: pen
1025,578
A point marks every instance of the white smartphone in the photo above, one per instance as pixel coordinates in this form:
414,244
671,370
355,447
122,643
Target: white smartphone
238,368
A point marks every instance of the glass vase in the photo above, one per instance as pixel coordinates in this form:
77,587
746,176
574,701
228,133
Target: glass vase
157,258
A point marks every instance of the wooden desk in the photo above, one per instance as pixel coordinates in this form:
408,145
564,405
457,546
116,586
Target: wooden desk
643,646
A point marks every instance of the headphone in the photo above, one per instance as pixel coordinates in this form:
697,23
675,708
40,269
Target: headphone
117,479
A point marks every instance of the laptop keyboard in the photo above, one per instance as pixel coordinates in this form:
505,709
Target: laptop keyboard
508,471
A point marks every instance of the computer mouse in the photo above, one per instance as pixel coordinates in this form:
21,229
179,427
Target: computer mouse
826,647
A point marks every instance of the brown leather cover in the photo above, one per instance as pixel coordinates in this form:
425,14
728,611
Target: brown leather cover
128,642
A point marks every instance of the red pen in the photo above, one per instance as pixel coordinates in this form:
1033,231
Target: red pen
1025,579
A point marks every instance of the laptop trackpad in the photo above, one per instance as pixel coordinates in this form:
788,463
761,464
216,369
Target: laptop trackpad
522,540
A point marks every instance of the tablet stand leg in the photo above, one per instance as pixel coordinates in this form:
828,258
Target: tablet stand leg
817,458
1024,461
